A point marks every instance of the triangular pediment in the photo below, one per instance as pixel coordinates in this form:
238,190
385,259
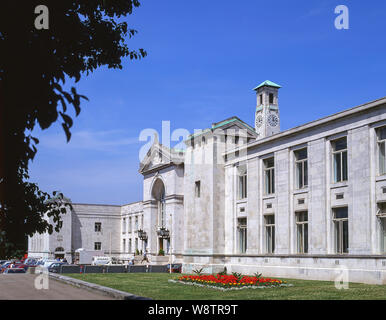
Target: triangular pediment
160,156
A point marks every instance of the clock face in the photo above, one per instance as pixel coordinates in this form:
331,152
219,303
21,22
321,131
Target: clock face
273,120
259,121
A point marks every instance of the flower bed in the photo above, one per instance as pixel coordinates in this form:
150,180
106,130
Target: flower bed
231,281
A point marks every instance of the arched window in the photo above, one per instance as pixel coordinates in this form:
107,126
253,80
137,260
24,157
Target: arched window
158,193
161,210
59,249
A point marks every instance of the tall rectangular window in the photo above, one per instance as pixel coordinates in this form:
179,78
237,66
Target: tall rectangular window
302,231
261,99
130,246
136,222
242,182
136,244
339,153
124,245
124,225
271,98
340,220
98,227
270,233
197,189
269,176
381,214
301,168
97,246
381,137
130,224
242,234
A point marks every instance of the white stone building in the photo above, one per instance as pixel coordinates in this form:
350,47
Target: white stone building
308,202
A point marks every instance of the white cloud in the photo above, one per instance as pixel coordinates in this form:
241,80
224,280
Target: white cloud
89,140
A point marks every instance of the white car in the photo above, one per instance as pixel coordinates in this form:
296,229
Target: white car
47,263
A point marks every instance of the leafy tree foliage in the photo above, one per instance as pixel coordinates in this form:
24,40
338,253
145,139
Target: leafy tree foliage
34,65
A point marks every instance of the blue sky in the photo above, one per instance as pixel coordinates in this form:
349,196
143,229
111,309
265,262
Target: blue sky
204,58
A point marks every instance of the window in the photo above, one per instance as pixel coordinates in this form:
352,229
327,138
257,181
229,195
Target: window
98,226
197,189
161,210
269,176
242,182
124,225
242,234
124,245
339,152
301,168
130,224
237,138
97,246
136,222
381,213
130,251
270,233
381,137
142,222
136,244
261,99
340,220
271,98
302,231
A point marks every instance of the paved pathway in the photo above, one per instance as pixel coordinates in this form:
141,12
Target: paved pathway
22,287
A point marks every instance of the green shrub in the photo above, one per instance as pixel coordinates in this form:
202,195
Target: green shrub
161,252
198,271
224,272
239,276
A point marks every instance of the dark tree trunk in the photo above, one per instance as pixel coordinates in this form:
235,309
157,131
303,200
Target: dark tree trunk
2,171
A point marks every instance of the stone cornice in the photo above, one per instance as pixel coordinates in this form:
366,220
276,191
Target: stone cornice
339,115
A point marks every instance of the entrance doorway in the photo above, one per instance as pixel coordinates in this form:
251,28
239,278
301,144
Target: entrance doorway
59,253
161,244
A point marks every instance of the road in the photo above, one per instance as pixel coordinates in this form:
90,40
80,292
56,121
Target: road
22,287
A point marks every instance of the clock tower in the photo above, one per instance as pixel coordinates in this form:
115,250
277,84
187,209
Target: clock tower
267,120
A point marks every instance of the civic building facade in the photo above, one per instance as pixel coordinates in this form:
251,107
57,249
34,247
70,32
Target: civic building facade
307,203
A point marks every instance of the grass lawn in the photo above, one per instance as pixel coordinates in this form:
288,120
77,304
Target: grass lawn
156,286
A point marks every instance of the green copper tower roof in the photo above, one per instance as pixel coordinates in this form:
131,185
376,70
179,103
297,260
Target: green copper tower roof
268,84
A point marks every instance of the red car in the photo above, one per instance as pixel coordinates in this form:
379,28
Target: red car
14,265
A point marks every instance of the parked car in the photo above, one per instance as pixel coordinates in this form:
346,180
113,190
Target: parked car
47,263
31,261
14,270
5,266
21,265
55,267
176,267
